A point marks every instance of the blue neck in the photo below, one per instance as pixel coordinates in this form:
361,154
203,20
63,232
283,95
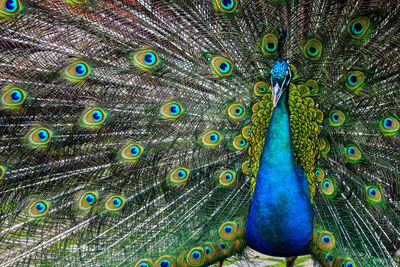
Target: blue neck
280,221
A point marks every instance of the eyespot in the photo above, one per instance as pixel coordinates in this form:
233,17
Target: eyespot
269,44
88,200
374,195
93,117
313,49
328,188
336,118
13,97
239,142
227,177
179,176
319,174
313,86
77,71
165,261
145,59
144,263
9,7
329,257
196,256
353,153
39,136
355,80
246,167
358,27
223,245
115,203
325,240
348,262
38,208
207,249
260,88
246,132
171,110
389,125
2,171
131,152
228,231
211,139
226,6
221,66
236,111
324,145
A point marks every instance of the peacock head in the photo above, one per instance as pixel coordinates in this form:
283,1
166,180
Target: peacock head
280,78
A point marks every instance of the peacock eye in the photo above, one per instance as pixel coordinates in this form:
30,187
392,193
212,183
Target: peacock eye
355,80
145,59
115,203
329,257
87,200
246,167
313,49
389,125
13,97
260,88
165,263
326,184
9,7
326,239
239,143
208,250
319,174
179,176
374,195
171,110
39,136
196,256
358,27
236,111
226,177
93,117
38,208
211,139
246,132
269,44
328,188
221,66
225,6
353,153
131,152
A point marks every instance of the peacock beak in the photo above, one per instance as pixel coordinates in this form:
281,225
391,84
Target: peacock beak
276,93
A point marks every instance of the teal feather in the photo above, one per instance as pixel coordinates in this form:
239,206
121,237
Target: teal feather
121,144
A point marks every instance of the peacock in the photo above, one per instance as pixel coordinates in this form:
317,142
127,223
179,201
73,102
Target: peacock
179,133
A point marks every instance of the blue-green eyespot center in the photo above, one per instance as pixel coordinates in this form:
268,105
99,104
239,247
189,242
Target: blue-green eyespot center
43,135
317,173
372,192
196,254
228,229
326,184
208,250
357,27
312,50
335,117
214,137
227,4
117,202
352,79
349,264
175,109
228,176
143,265
224,67
326,239
242,142
238,111
16,96
80,69
90,198
181,174
135,150
11,5
387,123
263,89
351,150
270,46
165,263
149,58
329,257
40,207
97,115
